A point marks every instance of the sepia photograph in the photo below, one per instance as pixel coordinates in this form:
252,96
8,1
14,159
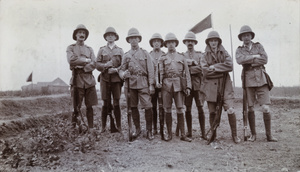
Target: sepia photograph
160,85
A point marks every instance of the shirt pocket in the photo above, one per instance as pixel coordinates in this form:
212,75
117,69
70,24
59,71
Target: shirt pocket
179,65
105,57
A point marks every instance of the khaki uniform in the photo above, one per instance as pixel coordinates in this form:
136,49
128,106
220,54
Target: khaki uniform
193,60
172,67
213,79
196,78
85,81
106,54
255,80
155,55
139,64
110,84
76,56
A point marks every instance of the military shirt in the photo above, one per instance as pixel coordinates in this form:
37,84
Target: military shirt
155,55
171,67
255,76
195,69
213,79
139,64
106,54
77,56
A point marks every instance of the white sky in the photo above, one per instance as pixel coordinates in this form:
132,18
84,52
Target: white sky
35,33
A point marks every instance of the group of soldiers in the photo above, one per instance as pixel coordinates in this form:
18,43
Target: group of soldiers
167,77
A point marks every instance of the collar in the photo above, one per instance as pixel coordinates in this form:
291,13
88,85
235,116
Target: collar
111,46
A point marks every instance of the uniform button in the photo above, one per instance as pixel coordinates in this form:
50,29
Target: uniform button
215,83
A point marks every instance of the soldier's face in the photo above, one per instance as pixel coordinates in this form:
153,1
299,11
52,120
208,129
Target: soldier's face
171,45
213,43
246,38
190,44
110,37
80,35
156,43
134,41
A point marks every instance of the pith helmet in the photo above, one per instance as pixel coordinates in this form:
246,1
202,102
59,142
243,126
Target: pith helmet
213,34
171,37
80,27
133,32
156,36
246,29
190,36
111,30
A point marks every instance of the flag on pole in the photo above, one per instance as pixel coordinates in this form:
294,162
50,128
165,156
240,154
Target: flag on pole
29,79
202,25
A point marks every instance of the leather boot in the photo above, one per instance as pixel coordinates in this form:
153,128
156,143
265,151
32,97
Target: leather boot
188,117
113,128
180,120
267,121
201,118
161,124
136,122
232,123
154,119
103,118
251,118
117,113
212,116
149,117
169,126
90,116
74,119
177,130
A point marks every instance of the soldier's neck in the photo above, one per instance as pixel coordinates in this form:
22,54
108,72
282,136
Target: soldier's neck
190,49
80,42
135,47
156,49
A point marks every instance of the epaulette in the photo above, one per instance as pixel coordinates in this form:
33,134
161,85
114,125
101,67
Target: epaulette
180,53
102,47
256,43
198,52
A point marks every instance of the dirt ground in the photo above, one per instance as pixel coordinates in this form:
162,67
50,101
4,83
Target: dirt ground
36,135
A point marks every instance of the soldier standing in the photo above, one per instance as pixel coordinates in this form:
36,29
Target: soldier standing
253,58
109,59
193,60
215,63
156,42
82,63
138,67
176,80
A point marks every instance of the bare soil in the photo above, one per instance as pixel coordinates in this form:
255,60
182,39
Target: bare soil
36,135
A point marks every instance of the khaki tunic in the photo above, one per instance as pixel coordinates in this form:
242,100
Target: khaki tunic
76,56
141,68
105,54
213,79
255,73
195,69
171,67
155,55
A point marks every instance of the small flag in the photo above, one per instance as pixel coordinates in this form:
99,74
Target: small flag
29,79
202,25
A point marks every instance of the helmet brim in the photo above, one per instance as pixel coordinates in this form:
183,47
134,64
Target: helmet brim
117,36
76,30
127,38
165,43
240,35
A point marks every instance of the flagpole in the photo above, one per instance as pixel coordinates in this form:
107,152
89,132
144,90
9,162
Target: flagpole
232,57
